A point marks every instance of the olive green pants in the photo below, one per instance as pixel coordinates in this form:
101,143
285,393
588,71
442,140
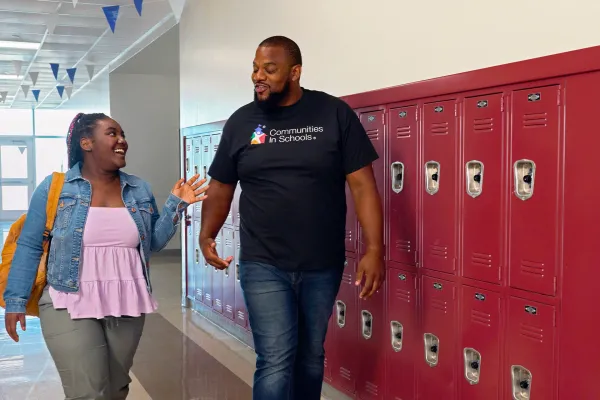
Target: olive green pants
93,356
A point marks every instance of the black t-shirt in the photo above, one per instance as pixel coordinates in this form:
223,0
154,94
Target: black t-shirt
292,165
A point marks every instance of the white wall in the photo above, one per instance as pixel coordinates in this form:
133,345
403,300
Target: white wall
144,99
351,46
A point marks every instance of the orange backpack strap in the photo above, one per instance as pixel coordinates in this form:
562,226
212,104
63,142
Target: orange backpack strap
58,179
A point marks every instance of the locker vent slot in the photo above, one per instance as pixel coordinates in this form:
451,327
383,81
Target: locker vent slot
215,148
532,333
208,297
218,303
535,120
483,125
480,259
403,132
347,278
438,251
481,318
229,309
439,305
196,149
241,316
373,135
349,235
372,389
206,149
403,295
533,268
403,245
345,373
439,128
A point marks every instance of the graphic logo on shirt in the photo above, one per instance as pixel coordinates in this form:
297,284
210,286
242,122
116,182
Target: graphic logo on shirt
258,137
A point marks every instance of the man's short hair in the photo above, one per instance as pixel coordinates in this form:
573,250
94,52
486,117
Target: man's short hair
290,47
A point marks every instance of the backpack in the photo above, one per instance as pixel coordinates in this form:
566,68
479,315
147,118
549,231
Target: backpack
10,246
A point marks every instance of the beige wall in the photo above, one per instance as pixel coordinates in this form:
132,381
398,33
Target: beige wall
352,46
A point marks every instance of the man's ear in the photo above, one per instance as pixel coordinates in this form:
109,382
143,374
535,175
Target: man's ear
296,73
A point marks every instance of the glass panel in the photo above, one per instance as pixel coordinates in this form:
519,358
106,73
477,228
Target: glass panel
53,122
16,122
50,156
13,161
15,198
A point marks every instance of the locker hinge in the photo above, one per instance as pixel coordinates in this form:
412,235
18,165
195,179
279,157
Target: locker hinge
554,319
558,97
502,104
416,258
499,273
453,292
554,285
416,114
456,110
415,280
383,118
454,264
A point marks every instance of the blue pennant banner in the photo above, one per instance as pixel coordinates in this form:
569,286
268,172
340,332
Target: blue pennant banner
36,94
71,72
55,69
138,6
61,90
112,13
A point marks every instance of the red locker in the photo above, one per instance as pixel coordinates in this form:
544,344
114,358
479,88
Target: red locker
534,207
329,354
351,223
403,344
241,313
228,274
439,200
437,368
402,191
530,350
346,328
217,277
483,169
480,344
372,338
374,124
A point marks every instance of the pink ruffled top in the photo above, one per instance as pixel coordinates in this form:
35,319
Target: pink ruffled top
111,278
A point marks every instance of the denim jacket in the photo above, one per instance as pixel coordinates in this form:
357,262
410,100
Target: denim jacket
155,231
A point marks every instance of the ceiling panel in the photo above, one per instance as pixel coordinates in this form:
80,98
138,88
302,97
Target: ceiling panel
81,37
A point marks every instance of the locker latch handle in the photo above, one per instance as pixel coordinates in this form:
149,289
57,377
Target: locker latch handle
521,382
397,175
432,177
432,348
524,178
197,252
474,177
340,313
237,272
472,360
397,334
195,170
367,324
187,164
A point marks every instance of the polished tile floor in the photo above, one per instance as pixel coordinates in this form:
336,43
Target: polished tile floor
182,356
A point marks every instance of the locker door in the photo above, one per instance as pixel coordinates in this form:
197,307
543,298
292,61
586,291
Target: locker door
482,172
190,247
351,222
345,362
217,277
241,313
439,199
438,357
235,206
374,123
207,275
372,338
403,344
480,344
535,172
228,274
195,211
329,340
402,190
530,350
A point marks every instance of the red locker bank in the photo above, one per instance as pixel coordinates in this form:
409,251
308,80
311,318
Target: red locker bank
487,179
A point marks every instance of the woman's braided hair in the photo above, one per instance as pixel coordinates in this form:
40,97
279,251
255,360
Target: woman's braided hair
82,126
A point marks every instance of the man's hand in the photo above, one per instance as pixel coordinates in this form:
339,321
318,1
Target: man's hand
370,269
209,251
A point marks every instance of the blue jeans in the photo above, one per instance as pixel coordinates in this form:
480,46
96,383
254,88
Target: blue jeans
289,313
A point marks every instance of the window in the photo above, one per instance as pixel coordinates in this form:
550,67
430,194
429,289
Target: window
50,156
53,122
16,122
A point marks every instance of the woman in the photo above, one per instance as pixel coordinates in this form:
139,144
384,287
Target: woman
98,292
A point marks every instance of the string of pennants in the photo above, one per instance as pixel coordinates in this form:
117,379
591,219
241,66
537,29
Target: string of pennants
112,14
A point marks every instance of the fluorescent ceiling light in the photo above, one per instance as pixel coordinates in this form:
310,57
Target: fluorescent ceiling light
5,77
4,44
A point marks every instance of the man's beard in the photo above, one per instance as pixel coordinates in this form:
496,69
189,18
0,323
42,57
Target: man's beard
272,102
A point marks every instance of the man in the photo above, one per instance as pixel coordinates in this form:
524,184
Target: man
292,150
